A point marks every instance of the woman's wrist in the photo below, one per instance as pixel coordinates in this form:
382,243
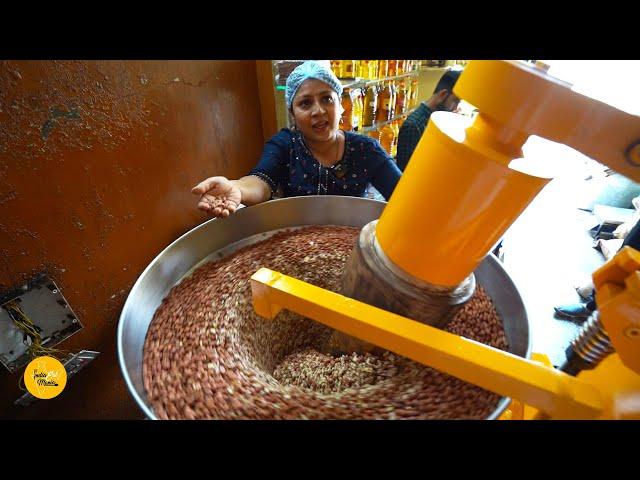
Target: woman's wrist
238,184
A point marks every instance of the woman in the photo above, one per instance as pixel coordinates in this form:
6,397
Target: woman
313,158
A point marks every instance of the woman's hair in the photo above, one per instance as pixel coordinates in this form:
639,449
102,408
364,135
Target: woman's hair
306,70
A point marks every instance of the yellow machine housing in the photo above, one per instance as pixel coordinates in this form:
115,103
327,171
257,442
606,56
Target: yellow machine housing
462,181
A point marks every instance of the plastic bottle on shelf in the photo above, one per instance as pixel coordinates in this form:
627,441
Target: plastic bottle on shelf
373,69
370,106
336,67
395,125
348,68
401,97
392,100
383,68
346,121
363,69
392,68
361,97
384,99
386,137
375,133
414,94
356,99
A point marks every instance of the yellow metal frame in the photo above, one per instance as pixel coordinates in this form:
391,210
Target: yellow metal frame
459,179
454,201
610,390
555,393
617,286
523,99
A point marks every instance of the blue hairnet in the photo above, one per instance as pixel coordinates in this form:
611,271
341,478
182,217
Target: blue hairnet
306,70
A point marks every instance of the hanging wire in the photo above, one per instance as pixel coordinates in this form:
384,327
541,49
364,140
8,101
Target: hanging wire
31,332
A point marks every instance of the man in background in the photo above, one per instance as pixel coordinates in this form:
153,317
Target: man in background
443,99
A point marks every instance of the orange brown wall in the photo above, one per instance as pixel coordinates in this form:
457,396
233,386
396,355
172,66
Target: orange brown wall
97,159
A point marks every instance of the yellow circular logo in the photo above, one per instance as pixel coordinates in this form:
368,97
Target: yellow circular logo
45,377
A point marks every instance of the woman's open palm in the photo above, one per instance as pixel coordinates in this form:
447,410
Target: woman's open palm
219,196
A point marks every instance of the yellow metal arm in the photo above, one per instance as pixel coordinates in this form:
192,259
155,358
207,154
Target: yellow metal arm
555,393
617,285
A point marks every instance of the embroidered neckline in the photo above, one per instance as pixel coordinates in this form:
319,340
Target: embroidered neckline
345,153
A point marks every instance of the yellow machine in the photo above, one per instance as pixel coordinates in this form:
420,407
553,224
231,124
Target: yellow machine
464,178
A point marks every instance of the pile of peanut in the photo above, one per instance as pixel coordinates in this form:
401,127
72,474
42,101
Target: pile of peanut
207,355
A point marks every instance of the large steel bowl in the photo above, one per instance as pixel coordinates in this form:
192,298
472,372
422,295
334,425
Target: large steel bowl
218,238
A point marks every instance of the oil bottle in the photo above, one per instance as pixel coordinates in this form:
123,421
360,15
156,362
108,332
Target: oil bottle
346,121
356,99
414,94
392,68
386,137
401,103
373,69
392,100
384,99
383,68
395,125
348,69
363,69
370,106
336,67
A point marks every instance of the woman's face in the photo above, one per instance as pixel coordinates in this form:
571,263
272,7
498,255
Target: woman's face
316,109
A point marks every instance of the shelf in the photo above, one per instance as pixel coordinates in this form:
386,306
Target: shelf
377,126
353,82
446,67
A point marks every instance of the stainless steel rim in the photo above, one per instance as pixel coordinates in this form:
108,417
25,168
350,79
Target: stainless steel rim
249,225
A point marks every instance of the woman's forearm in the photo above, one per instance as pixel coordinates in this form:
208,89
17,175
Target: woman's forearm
254,190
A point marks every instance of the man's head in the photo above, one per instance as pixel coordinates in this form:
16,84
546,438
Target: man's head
443,97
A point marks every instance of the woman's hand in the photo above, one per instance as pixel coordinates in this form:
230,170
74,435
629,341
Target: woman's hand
219,196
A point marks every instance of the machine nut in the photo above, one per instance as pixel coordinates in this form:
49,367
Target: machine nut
633,153
632,332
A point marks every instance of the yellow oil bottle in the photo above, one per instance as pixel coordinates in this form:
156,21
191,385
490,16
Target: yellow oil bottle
383,68
373,69
392,100
414,94
395,125
384,99
356,100
401,97
347,69
370,106
386,137
363,69
346,121
336,67
392,68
